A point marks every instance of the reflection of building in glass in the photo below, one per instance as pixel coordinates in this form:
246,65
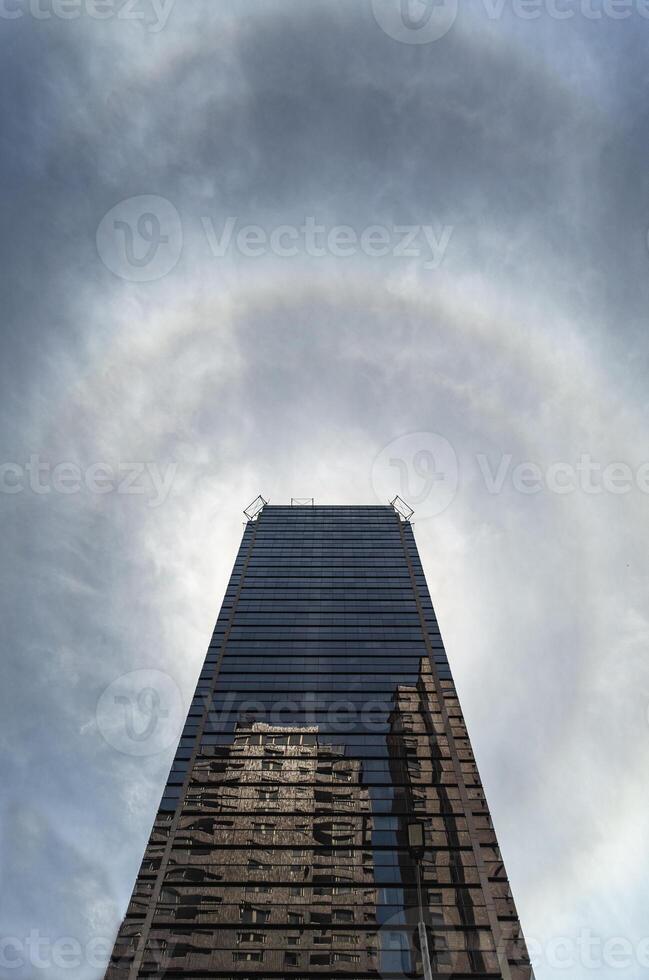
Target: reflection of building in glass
324,722
283,862
464,882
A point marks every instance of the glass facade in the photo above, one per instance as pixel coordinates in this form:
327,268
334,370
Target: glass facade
325,734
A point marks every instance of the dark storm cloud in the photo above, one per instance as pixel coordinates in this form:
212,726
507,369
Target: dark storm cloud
290,376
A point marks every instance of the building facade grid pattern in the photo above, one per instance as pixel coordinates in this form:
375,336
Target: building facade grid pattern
325,722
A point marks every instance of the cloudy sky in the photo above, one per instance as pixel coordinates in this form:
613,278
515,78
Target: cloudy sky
324,249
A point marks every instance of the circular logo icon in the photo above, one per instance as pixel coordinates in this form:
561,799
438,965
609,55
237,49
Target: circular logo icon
403,945
141,238
412,942
415,21
420,467
141,713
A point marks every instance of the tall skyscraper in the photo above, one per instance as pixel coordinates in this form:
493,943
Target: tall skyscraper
324,815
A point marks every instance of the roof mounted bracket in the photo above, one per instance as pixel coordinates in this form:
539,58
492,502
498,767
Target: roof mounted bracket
403,510
254,509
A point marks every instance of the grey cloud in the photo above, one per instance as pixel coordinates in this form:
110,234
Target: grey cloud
289,377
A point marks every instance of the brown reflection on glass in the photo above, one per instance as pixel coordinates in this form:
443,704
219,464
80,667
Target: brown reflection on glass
273,852
279,862
454,905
